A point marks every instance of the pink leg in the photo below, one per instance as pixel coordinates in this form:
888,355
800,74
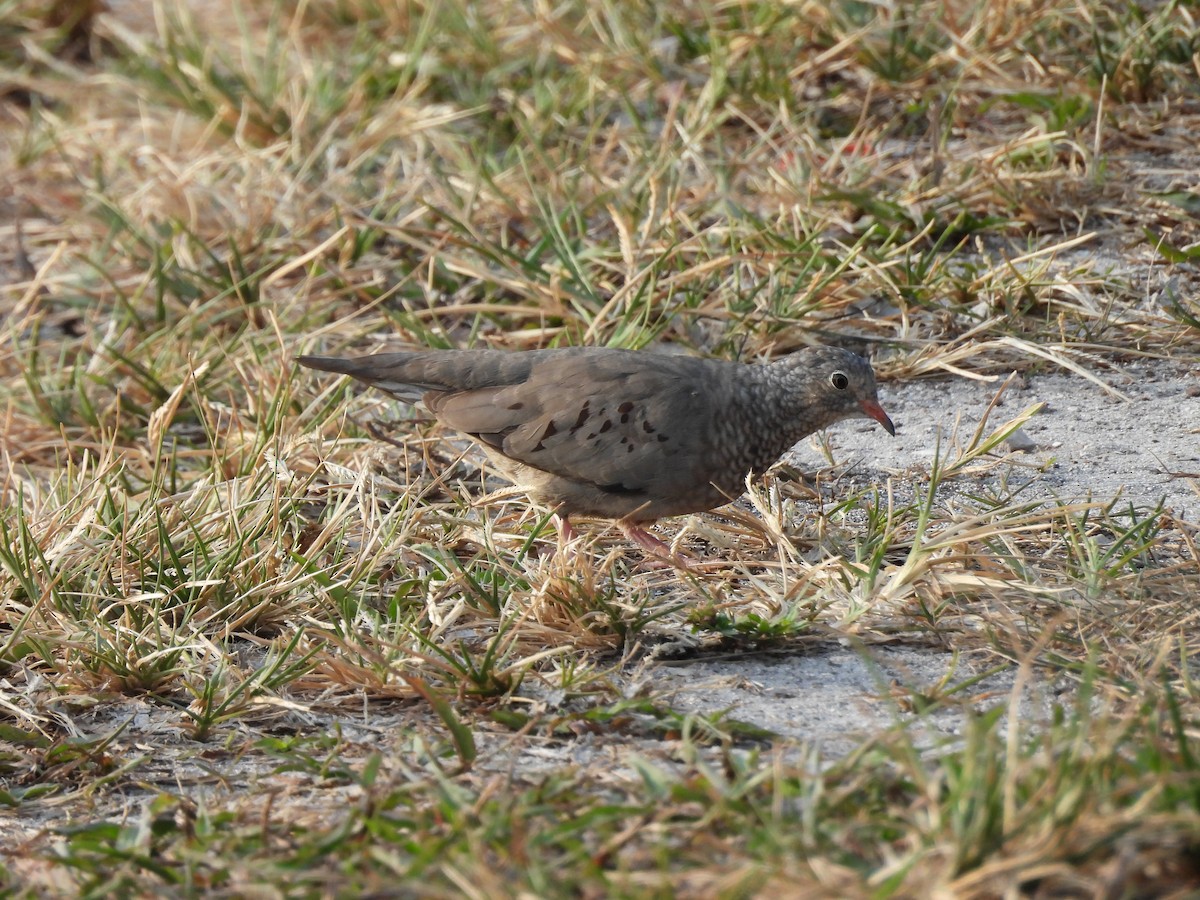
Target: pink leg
566,536
651,544
566,533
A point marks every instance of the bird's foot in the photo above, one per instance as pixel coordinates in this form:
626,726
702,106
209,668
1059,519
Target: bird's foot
566,533
656,548
661,554
568,537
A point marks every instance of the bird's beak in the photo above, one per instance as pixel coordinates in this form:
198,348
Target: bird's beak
875,411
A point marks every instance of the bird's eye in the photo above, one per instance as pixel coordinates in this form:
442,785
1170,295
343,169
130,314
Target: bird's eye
839,380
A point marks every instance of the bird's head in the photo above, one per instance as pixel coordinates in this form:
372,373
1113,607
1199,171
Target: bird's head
837,383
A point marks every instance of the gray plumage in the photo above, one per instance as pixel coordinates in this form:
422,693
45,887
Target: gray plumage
629,435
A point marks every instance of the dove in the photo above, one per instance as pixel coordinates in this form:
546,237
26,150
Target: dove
629,435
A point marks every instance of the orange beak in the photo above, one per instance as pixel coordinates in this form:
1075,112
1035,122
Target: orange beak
875,411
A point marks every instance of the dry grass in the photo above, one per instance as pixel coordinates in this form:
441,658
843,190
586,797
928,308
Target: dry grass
245,647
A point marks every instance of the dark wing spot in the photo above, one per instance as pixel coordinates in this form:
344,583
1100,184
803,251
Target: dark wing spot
548,433
625,407
517,405
583,417
495,438
647,427
629,449
606,426
618,488
662,438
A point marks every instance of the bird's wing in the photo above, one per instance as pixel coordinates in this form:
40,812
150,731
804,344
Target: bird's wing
625,422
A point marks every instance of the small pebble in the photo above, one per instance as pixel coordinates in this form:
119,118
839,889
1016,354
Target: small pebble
1020,442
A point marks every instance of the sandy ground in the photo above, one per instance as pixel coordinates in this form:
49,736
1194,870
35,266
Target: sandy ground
1091,442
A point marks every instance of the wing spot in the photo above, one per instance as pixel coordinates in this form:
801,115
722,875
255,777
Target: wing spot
548,433
584,414
629,449
618,488
662,438
516,406
647,427
606,426
495,438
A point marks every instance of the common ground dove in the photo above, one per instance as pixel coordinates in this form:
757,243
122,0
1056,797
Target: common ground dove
628,435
